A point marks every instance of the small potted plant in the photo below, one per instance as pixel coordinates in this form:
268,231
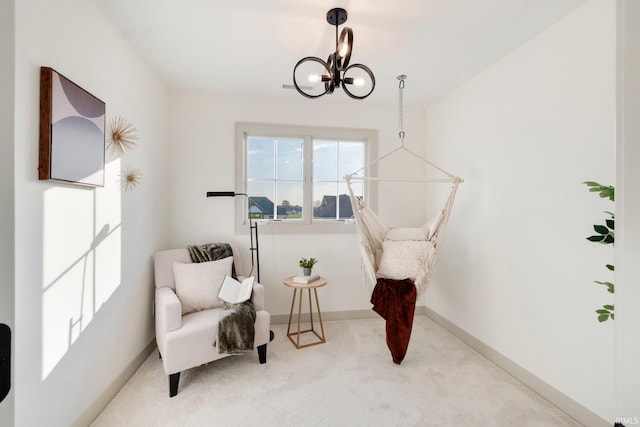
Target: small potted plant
307,264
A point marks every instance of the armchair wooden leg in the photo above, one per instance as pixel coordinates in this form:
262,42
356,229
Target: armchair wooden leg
174,379
262,353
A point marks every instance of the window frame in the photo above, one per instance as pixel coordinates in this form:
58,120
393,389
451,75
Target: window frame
307,134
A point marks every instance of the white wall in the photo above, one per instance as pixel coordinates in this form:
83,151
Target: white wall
83,256
524,134
516,271
7,81
628,217
203,155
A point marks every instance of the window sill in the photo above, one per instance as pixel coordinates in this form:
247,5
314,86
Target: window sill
317,227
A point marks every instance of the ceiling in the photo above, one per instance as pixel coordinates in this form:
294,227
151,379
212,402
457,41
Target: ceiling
251,46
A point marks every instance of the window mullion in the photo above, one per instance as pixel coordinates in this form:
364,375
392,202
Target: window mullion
307,176
275,178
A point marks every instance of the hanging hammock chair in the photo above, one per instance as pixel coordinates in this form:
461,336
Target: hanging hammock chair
397,263
376,236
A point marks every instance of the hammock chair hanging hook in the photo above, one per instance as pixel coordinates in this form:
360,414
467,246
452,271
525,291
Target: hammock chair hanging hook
401,136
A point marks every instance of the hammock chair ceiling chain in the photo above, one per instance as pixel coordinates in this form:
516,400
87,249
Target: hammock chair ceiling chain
401,134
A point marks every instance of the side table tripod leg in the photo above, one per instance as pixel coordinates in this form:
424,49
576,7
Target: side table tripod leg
299,316
293,300
310,309
315,291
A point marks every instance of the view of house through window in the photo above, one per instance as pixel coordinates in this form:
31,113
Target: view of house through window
275,177
332,160
300,179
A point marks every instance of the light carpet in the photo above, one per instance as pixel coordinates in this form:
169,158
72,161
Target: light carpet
350,380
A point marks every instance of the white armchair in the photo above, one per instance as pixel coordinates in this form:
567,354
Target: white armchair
186,341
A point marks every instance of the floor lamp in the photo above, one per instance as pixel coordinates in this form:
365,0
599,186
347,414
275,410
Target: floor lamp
253,228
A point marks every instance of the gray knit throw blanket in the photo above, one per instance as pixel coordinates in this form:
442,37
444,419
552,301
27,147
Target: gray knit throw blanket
236,327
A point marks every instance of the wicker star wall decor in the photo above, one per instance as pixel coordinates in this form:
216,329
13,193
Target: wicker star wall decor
123,136
130,178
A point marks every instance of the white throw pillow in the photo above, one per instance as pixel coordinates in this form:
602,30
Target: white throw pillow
403,259
198,284
419,233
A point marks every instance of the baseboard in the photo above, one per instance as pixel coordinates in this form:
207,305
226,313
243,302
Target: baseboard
565,403
98,405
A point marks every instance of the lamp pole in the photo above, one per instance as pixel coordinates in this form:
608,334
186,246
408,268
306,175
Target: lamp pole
253,228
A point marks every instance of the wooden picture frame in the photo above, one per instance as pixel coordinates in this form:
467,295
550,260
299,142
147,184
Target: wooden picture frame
72,132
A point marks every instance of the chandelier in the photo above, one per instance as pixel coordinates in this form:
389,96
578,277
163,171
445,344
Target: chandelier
313,77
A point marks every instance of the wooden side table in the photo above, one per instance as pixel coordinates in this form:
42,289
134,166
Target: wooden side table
301,287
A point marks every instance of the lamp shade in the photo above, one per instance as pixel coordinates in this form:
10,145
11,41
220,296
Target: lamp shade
221,194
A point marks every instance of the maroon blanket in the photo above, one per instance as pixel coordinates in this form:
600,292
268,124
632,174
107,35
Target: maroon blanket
395,302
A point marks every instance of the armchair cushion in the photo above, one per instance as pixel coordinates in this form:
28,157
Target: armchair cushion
198,284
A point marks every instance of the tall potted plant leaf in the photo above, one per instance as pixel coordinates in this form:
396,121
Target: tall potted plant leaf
605,234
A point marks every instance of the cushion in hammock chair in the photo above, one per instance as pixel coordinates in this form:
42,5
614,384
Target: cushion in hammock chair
420,233
403,259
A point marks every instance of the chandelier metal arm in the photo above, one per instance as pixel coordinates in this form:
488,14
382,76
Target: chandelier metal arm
295,83
350,80
344,46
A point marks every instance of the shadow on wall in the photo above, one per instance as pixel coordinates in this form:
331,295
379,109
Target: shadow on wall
81,263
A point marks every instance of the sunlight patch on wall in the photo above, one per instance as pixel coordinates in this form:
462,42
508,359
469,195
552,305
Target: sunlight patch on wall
81,262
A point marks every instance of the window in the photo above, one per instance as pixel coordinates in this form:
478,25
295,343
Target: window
332,160
294,174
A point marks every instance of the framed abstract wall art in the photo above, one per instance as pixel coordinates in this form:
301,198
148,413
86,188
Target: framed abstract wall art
72,132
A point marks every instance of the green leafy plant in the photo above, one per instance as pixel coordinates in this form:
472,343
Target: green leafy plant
605,234
606,191
307,262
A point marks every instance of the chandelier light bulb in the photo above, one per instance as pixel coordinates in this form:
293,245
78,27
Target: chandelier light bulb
314,78
359,81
